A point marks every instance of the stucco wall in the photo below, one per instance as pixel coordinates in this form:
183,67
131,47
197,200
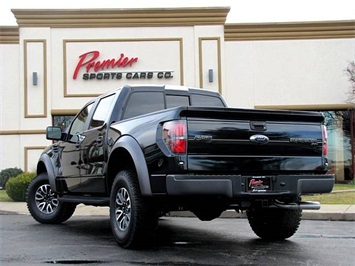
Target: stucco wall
287,65
287,72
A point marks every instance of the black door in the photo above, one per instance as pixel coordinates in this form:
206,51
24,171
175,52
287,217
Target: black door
94,148
71,158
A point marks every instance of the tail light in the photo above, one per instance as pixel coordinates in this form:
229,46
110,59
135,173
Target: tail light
325,140
175,136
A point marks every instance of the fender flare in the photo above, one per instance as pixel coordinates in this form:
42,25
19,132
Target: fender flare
132,147
47,161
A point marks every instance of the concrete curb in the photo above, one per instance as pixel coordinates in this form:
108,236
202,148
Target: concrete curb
327,212
306,215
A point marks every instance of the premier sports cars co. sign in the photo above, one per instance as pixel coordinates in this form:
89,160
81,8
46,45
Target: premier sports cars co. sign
94,68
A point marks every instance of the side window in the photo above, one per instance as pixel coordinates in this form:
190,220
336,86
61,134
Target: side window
176,100
78,124
143,102
206,101
101,112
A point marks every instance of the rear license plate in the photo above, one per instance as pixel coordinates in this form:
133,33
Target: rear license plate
259,183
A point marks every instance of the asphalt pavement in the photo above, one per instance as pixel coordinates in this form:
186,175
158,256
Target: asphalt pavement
88,240
335,212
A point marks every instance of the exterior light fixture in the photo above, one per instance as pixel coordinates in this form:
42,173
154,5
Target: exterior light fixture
34,78
210,75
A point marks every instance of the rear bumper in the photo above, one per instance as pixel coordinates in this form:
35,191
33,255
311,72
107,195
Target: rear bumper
236,186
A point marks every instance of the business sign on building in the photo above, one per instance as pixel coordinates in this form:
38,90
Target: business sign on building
92,64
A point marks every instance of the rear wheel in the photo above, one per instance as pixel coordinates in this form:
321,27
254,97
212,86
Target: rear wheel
274,224
44,205
133,219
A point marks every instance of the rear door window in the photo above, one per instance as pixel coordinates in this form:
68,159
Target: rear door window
140,103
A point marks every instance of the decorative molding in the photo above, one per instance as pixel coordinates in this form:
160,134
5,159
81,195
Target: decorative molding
9,35
44,114
200,54
64,111
289,31
147,17
318,107
67,94
29,148
22,132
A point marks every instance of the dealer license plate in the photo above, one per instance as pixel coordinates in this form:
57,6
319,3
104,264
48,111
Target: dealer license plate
259,183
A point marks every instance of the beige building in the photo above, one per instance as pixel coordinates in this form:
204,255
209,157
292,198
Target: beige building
54,61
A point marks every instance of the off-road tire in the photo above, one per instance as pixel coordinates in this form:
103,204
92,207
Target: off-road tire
43,204
133,218
274,224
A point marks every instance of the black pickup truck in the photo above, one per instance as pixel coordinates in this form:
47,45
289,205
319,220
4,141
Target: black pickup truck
145,151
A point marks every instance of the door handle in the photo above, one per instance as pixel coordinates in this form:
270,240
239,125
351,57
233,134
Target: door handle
79,141
99,140
258,125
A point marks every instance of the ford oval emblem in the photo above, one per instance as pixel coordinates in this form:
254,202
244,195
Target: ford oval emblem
259,139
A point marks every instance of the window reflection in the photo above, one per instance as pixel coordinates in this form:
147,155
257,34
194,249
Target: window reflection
62,121
340,126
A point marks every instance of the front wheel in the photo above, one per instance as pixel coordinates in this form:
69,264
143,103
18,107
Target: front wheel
44,205
274,224
133,219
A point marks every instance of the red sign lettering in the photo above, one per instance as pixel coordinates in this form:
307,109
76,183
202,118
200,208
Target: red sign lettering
254,182
87,60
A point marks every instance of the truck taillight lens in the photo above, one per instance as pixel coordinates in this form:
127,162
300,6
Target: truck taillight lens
175,136
325,140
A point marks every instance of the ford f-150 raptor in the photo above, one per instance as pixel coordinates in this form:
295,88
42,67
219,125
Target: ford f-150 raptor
147,150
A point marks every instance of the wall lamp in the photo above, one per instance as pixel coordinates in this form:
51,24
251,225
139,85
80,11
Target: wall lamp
210,75
34,78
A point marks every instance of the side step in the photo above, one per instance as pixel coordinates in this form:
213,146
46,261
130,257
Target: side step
304,205
87,200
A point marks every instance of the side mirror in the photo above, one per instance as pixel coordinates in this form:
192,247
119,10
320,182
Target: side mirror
54,133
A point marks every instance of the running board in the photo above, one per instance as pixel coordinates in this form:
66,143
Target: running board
304,205
87,200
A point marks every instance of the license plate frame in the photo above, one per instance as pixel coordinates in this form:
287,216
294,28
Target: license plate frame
258,183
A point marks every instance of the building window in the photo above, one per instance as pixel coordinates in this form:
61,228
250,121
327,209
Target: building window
62,121
341,127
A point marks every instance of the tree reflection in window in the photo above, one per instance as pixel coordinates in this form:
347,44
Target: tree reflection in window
340,127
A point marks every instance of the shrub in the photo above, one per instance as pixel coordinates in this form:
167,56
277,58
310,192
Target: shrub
7,173
16,187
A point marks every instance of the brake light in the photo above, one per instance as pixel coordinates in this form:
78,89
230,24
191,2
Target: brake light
325,140
175,136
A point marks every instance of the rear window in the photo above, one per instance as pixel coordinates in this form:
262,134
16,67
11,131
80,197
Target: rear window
206,101
176,100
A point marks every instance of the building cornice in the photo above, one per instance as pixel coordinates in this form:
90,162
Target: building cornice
150,17
160,17
289,30
9,35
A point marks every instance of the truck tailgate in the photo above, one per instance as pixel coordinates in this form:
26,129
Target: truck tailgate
238,141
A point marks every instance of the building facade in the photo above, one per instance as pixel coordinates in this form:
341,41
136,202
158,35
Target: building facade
54,61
